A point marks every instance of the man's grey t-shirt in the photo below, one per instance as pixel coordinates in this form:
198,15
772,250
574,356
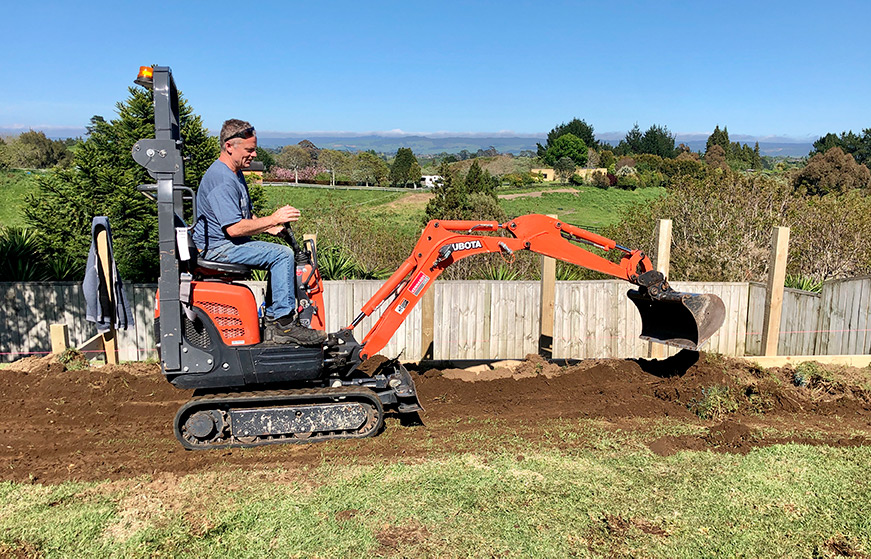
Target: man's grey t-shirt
222,200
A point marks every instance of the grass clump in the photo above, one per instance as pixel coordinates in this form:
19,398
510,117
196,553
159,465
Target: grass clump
716,402
73,359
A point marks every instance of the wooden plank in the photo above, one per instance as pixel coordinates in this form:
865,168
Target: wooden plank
776,277
823,320
755,318
23,317
662,263
9,330
838,323
856,335
546,305
39,311
862,325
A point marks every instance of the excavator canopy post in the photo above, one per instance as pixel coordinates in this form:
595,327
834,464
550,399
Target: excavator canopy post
684,320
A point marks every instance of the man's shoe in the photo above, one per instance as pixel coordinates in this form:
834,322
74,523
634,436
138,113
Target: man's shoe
293,333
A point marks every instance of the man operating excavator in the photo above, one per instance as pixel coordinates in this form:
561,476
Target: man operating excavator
225,224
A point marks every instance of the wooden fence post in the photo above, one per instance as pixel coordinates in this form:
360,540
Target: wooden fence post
60,338
661,261
110,338
427,326
548,294
774,293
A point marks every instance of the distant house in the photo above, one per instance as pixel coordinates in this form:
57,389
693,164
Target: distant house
255,169
430,181
549,175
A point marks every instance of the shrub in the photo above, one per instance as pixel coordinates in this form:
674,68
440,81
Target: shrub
833,171
648,162
685,165
600,179
722,229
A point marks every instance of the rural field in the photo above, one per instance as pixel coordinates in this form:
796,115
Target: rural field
585,206
695,456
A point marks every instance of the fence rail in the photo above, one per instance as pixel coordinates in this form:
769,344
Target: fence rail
487,319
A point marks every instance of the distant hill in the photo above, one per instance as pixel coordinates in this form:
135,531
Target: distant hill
427,145
420,145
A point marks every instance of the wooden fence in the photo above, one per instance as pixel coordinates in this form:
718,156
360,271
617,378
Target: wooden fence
488,319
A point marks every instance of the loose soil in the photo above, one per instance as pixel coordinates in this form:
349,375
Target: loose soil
115,422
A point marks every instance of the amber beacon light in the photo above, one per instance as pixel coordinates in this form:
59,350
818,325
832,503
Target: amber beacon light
145,77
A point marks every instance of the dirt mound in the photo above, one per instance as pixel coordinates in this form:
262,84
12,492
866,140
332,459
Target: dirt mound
62,422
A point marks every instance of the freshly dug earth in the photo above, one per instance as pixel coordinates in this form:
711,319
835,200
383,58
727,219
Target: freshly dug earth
115,422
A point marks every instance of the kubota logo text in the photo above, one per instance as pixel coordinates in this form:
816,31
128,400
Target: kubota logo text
466,246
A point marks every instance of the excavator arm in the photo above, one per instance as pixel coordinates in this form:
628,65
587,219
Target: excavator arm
444,242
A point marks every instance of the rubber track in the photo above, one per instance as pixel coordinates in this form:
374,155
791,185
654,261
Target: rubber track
306,396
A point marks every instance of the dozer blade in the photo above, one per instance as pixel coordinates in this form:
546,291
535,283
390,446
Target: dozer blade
684,320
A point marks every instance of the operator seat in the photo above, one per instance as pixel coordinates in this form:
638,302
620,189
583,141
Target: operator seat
202,269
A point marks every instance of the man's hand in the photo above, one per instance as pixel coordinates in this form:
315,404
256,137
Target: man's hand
285,214
272,224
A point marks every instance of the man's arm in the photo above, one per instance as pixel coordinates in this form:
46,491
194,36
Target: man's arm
268,223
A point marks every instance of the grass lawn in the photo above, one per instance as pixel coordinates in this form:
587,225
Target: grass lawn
549,496
585,206
14,186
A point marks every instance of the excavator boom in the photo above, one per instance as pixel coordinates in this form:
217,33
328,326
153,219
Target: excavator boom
683,320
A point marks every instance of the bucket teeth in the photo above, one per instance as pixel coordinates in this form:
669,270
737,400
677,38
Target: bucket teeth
684,320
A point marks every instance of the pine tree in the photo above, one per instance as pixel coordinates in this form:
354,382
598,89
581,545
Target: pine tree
719,138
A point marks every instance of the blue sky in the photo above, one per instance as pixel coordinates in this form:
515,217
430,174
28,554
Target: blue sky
796,69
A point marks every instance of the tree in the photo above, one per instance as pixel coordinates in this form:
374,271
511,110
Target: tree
265,156
452,199
4,155
480,181
293,157
405,168
34,150
369,168
578,127
489,152
564,168
715,157
831,172
567,145
857,146
103,181
631,143
334,162
657,140
313,150
718,138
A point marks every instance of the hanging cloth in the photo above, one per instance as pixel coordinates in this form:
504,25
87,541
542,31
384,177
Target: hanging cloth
98,306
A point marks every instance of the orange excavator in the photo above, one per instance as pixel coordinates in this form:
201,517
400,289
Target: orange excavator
249,391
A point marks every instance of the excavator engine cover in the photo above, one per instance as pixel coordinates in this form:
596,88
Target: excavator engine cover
684,320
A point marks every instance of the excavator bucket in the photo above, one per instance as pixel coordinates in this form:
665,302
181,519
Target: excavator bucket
684,320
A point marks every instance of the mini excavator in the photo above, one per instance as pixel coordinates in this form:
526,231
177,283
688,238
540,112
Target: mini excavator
249,391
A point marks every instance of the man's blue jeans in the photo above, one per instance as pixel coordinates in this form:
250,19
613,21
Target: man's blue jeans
276,258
